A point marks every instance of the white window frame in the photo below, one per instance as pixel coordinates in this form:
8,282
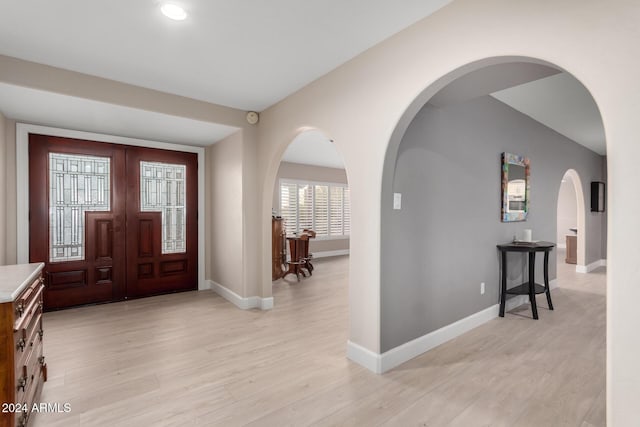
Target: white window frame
299,182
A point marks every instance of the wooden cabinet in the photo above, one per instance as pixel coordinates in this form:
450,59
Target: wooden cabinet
572,250
278,248
22,369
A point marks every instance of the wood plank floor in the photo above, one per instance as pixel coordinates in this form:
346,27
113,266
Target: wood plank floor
194,359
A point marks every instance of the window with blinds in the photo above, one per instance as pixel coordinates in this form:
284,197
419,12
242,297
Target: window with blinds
322,207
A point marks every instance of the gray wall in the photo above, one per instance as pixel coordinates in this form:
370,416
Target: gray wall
312,173
8,228
441,245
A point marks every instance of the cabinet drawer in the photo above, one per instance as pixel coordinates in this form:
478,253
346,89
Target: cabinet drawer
23,418
28,375
32,293
27,338
28,304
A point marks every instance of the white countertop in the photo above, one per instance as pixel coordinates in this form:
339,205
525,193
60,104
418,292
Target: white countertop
14,278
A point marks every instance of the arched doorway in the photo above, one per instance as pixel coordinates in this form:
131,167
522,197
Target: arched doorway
311,215
438,268
571,220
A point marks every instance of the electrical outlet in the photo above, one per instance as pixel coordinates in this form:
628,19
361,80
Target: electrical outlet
482,288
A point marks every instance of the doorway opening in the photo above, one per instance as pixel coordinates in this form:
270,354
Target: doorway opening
311,215
570,238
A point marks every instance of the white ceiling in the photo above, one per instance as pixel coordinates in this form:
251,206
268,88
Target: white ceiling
68,112
562,103
245,54
490,79
313,148
546,94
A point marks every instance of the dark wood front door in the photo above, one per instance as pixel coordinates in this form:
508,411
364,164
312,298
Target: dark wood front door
111,222
162,221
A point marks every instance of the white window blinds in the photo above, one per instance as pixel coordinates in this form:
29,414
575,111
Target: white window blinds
337,210
347,211
289,204
321,210
322,207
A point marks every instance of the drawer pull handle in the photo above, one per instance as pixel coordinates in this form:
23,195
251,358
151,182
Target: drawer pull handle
21,344
20,309
41,360
22,383
22,422
40,333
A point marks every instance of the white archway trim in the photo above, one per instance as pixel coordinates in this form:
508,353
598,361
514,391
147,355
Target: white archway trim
581,266
22,174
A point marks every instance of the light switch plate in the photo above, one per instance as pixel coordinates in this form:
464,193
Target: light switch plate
397,201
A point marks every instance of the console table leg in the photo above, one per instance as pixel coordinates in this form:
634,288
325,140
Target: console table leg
532,284
503,290
546,279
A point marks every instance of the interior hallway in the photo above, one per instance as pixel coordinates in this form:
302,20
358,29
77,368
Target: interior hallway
195,359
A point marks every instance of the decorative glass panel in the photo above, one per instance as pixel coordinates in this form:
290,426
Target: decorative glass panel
162,189
77,184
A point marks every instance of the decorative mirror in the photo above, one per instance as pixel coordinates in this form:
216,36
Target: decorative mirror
515,188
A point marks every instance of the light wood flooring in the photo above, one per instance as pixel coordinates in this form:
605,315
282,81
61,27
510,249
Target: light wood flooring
194,359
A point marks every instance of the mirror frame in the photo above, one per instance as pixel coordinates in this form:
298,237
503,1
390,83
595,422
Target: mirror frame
513,159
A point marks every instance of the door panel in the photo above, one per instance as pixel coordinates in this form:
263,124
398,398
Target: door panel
148,222
162,221
103,238
76,209
101,231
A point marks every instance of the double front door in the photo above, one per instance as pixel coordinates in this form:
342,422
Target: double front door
110,221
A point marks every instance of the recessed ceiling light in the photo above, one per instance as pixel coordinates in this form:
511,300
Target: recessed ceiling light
173,11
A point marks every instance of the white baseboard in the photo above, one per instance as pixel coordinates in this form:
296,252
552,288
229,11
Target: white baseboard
241,302
325,254
590,267
364,357
381,363
407,351
264,303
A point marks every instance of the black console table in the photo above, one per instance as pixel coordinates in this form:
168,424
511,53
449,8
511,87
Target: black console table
530,287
